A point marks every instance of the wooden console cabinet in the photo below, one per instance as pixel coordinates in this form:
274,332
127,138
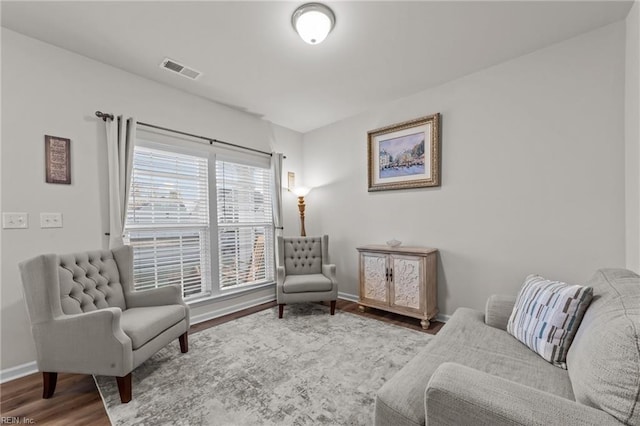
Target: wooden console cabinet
401,280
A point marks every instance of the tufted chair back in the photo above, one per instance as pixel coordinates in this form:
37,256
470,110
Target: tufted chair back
89,281
303,255
68,284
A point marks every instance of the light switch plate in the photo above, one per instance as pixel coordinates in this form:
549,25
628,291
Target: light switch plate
50,220
15,220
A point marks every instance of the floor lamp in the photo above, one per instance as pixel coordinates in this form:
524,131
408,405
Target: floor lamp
301,192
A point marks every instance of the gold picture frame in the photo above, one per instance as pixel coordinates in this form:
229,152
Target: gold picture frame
405,155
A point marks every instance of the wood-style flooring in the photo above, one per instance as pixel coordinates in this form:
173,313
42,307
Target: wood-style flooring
77,401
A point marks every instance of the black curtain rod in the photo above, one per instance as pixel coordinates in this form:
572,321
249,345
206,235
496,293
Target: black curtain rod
107,116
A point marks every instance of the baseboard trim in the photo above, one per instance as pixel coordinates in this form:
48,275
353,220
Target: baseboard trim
216,313
18,371
442,317
349,297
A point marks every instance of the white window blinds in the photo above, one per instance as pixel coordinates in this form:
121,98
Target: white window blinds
168,221
245,224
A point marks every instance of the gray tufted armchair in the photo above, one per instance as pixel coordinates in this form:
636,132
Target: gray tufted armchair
304,272
86,318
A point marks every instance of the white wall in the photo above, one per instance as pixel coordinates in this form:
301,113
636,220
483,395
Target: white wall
532,174
632,137
47,90
290,143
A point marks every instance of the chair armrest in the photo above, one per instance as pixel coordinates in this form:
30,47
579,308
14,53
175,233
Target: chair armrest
91,343
280,275
498,310
457,394
329,271
166,295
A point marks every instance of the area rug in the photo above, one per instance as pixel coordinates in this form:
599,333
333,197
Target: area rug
309,368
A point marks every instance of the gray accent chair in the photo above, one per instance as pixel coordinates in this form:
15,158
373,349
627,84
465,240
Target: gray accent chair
304,273
86,317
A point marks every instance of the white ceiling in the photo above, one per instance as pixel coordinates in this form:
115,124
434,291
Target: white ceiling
253,60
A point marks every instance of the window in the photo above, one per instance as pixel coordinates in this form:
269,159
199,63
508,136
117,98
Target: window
202,223
245,224
168,221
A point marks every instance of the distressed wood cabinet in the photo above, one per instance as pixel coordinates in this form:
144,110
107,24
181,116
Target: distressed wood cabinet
401,280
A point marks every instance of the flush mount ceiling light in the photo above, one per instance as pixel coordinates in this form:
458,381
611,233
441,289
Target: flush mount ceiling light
313,21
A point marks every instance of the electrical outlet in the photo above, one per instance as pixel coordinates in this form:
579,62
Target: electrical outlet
50,220
15,220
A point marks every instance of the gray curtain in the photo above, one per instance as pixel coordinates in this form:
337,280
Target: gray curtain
121,135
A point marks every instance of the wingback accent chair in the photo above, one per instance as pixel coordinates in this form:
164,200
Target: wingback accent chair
86,317
304,272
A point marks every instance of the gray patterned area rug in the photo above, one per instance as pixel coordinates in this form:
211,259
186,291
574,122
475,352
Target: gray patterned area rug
308,368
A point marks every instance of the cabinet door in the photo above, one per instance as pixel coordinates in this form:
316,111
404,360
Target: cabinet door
407,282
374,286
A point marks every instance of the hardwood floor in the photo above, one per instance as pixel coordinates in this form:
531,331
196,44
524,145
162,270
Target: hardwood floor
77,401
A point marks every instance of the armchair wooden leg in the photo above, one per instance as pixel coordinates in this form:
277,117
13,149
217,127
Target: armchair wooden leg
184,342
48,384
333,307
280,310
124,387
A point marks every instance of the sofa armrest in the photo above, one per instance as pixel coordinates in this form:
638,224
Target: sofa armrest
498,310
166,295
457,395
91,342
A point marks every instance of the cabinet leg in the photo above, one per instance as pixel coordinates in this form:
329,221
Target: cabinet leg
361,308
425,324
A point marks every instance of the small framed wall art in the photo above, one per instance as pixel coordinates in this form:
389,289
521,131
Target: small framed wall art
405,155
57,153
291,181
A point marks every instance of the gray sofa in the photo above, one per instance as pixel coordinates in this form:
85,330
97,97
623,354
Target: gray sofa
474,373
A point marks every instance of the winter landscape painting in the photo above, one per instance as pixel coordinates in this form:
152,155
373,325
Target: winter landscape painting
405,155
402,156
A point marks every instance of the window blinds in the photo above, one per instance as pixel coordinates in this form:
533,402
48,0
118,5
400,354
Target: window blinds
245,224
168,221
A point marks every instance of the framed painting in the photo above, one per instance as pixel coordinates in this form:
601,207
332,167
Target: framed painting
291,181
57,153
405,155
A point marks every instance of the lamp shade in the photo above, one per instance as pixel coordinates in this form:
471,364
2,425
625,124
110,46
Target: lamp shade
301,191
313,22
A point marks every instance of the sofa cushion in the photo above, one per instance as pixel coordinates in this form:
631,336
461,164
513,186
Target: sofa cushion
466,340
604,359
546,316
143,324
306,283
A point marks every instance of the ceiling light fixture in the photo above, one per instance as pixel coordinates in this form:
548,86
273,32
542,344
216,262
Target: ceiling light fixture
313,22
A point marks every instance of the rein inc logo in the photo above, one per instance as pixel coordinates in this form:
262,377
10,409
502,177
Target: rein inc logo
17,421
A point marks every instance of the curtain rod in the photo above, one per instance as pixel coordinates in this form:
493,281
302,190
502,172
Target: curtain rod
106,116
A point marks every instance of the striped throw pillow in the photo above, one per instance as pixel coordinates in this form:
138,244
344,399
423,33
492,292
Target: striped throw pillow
546,316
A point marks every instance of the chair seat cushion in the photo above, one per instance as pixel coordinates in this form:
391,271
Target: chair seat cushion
306,283
143,324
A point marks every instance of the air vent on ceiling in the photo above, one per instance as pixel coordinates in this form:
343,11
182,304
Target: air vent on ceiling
171,65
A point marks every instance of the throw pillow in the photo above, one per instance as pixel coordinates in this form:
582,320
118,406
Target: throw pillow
546,316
